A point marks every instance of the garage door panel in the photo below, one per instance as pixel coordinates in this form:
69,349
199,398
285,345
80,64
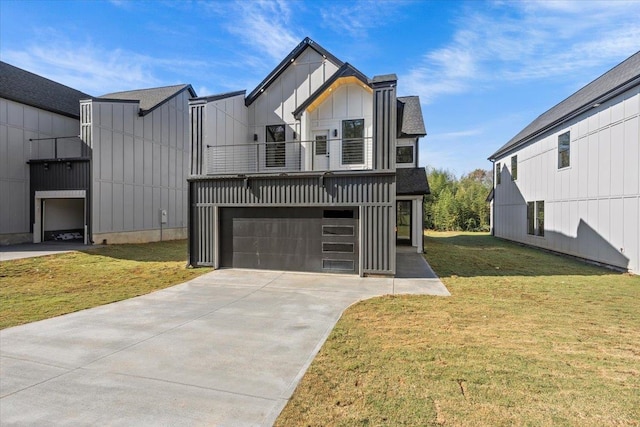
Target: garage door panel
298,239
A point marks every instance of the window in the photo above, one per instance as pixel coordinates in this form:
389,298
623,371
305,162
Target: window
514,168
352,142
498,173
275,148
404,154
321,145
535,218
531,218
564,149
540,217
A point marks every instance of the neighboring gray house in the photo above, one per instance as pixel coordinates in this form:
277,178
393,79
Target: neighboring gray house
34,111
309,171
111,168
570,180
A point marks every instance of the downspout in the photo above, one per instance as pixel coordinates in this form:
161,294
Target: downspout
495,192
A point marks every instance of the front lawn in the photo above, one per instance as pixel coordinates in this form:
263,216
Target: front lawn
527,338
38,288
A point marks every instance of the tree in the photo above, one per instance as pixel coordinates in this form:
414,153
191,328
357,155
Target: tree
458,204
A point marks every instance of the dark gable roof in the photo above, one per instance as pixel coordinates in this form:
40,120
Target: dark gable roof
620,78
219,96
149,99
307,42
410,121
411,182
346,70
27,88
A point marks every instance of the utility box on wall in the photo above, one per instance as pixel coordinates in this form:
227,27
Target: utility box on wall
163,216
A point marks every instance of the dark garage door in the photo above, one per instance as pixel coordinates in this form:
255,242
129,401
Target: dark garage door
296,239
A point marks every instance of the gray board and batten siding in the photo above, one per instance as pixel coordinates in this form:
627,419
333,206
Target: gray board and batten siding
373,194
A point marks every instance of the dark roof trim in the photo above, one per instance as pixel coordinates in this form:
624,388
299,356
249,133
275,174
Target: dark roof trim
124,101
218,97
188,87
346,70
307,42
627,67
592,104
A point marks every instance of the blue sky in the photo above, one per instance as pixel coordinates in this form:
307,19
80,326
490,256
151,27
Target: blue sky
483,70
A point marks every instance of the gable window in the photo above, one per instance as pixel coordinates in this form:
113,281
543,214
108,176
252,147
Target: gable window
535,218
514,168
498,173
275,147
352,142
564,150
404,154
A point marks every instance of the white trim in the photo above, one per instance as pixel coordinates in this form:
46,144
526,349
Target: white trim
61,194
56,194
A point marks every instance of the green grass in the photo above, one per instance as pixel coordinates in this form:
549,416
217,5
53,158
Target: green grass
43,287
527,338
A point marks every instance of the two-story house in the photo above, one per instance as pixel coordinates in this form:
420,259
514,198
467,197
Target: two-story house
316,169
104,169
570,182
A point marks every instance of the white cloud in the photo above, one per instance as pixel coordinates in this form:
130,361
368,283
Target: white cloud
266,25
520,41
91,68
356,18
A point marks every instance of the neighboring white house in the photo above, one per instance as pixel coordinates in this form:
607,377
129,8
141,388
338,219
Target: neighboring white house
570,180
307,172
88,169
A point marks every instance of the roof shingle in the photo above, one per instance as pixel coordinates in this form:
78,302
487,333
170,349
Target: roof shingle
150,98
31,89
595,92
410,120
411,181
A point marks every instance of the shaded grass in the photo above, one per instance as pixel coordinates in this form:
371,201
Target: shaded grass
527,338
43,287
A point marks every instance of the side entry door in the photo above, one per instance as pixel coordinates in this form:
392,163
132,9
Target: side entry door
321,150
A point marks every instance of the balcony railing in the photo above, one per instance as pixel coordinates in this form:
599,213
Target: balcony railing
61,147
289,156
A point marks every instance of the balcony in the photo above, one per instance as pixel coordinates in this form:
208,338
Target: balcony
57,148
289,156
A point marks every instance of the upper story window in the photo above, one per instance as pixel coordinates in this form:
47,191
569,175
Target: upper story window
275,147
514,168
564,150
353,142
404,154
498,173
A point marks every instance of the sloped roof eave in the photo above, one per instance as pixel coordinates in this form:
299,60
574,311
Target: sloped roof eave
346,70
285,63
617,80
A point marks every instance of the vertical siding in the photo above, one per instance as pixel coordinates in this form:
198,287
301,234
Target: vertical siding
140,164
374,193
197,139
591,207
19,123
384,125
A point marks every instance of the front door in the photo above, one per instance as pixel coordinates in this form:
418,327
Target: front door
321,150
403,224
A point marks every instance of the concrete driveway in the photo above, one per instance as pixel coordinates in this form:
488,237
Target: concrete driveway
227,348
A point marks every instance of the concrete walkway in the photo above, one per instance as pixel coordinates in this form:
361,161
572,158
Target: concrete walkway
31,250
227,348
